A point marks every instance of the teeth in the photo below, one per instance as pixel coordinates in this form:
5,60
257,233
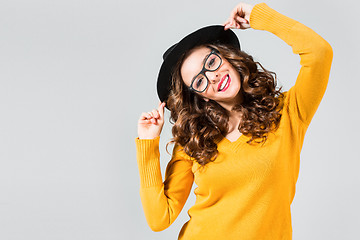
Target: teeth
224,83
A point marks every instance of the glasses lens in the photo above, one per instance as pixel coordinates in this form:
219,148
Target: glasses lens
200,83
213,62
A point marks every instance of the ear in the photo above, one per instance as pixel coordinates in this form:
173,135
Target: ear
206,99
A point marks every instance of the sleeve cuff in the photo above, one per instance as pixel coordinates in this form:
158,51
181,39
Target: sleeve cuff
263,17
148,159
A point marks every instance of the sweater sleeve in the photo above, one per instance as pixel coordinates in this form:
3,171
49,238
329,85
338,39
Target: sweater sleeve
315,58
162,201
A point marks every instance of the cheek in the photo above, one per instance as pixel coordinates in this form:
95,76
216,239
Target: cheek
205,94
237,77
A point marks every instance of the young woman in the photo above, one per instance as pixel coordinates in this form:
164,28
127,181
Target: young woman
236,135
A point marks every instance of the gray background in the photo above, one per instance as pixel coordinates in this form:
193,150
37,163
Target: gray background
76,75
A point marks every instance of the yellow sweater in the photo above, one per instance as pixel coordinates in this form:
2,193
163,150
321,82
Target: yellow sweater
247,191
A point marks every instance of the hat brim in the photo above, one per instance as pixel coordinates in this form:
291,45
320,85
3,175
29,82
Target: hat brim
205,35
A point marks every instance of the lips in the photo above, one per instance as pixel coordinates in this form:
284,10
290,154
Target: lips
224,83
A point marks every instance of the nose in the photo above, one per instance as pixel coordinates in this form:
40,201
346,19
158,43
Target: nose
212,76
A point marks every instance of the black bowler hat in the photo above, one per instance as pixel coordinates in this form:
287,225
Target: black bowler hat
205,35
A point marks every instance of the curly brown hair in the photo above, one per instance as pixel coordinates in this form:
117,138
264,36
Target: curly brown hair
197,124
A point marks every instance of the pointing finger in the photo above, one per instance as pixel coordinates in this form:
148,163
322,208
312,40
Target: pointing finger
155,113
161,109
241,20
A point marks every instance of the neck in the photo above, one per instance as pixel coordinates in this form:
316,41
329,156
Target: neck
234,117
234,121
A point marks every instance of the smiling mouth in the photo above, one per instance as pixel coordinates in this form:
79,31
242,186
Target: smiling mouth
224,83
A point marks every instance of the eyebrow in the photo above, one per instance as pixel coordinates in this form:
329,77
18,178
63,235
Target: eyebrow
203,62
205,58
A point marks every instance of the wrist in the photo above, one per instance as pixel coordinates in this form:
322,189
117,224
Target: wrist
148,137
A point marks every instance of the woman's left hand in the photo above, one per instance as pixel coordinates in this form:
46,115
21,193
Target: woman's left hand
239,17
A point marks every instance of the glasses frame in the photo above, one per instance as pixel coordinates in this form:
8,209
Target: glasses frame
204,70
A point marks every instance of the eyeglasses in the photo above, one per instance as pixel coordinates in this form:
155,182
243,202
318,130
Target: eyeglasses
211,63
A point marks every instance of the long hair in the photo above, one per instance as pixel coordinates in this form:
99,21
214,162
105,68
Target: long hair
197,124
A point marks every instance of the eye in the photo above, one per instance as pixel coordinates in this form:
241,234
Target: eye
211,62
198,82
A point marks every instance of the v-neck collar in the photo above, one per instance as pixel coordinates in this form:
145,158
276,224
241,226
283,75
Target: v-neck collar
241,137
223,141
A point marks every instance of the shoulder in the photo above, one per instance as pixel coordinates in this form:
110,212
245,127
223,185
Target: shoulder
179,153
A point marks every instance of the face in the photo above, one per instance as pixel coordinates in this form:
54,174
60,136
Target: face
224,83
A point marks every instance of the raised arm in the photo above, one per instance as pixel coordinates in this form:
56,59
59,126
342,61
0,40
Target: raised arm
162,201
315,56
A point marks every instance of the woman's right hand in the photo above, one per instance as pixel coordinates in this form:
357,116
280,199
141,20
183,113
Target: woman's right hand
151,123
239,17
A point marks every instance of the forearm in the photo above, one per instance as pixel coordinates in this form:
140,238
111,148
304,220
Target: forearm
148,159
162,201
311,47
